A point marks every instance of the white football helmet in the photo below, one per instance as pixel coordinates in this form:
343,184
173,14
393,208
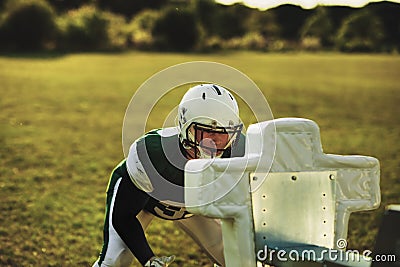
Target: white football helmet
209,122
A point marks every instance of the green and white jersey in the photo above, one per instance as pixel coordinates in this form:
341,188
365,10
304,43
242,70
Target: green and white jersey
156,164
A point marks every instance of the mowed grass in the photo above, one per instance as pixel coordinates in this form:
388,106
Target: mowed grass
60,137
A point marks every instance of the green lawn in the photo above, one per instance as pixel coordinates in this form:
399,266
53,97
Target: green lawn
60,137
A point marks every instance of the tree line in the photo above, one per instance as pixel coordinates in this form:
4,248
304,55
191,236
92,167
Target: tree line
194,25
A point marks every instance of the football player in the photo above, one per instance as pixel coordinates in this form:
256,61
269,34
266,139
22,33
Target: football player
150,181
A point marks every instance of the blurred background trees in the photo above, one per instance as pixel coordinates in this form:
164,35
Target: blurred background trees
27,24
195,25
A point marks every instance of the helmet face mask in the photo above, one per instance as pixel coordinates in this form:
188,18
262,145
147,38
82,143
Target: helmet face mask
210,141
209,122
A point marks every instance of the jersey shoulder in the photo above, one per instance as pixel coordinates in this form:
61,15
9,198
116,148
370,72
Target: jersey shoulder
159,150
156,142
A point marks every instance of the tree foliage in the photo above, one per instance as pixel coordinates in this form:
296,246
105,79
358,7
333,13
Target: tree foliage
83,29
27,25
361,31
200,25
88,28
141,28
389,14
290,18
62,6
176,29
128,8
263,23
320,26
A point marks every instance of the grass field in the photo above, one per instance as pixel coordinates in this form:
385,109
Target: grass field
60,136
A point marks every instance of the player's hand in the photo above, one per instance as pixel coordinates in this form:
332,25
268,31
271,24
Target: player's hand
163,261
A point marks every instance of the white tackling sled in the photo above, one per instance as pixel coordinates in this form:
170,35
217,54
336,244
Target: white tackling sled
284,195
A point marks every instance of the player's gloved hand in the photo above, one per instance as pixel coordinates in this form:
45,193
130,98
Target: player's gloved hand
163,261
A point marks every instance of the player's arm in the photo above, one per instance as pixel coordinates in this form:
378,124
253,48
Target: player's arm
131,198
128,202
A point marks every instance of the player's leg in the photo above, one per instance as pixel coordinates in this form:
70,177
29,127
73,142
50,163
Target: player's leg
121,194
145,218
114,251
207,233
